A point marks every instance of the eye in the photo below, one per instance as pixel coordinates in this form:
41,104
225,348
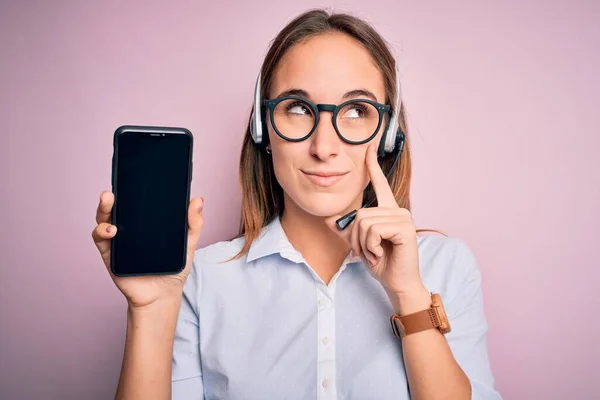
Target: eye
355,111
298,108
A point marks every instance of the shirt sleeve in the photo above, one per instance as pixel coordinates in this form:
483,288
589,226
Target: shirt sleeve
468,324
186,382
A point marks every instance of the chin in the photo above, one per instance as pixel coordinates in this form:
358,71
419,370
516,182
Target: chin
324,204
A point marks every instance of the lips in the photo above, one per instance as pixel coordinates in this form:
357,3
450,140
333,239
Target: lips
324,178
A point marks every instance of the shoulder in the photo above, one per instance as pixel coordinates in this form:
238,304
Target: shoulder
447,263
443,249
214,264
219,253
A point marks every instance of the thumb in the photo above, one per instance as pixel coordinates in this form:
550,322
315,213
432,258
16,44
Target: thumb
195,222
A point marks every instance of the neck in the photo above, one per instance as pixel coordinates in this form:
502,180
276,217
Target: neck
322,248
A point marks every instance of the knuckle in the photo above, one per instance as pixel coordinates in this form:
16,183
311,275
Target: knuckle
96,234
374,229
360,214
363,225
403,212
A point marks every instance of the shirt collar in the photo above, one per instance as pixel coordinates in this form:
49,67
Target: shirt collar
273,240
270,241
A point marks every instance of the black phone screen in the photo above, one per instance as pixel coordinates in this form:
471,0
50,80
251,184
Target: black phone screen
151,179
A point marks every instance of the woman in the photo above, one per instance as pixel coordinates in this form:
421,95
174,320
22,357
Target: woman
295,307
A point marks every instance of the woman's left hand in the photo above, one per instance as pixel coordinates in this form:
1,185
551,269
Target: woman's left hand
385,237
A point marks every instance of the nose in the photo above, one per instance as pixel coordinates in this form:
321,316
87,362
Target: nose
325,142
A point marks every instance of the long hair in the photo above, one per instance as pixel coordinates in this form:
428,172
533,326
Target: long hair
262,196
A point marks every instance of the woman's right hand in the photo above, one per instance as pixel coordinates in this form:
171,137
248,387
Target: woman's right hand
143,291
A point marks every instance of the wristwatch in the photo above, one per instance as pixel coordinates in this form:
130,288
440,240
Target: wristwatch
432,318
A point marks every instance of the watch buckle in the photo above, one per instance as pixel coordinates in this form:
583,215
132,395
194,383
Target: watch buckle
395,321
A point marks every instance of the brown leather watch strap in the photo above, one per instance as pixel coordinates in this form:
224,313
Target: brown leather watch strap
420,321
413,323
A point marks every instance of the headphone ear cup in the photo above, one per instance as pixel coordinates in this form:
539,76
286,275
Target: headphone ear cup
257,126
253,132
265,132
381,149
400,140
386,145
389,138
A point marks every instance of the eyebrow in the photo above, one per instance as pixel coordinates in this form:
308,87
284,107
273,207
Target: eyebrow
348,95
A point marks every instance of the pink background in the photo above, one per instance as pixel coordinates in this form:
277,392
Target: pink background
503,101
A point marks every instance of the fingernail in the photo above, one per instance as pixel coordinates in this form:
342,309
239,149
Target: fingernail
109,229
201,204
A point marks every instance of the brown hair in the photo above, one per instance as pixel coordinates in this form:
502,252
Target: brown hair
262,196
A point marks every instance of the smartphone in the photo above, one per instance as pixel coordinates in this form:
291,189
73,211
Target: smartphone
151,178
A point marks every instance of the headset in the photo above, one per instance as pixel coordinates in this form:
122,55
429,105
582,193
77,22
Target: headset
392,139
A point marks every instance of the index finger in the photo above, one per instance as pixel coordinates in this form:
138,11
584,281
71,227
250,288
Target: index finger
105,205
383,191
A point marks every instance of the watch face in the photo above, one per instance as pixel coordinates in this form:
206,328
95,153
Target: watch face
441,313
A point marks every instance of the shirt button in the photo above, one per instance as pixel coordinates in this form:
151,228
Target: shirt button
325,383
325,340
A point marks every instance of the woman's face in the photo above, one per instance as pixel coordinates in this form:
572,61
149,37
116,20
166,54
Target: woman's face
326,67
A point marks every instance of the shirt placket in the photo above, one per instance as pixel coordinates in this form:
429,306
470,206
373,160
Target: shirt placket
326,371
326,362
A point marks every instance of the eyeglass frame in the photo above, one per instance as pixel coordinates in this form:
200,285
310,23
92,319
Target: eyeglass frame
270,104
